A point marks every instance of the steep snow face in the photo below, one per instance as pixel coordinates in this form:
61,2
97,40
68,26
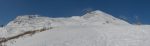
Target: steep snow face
99,17
27,23
31,21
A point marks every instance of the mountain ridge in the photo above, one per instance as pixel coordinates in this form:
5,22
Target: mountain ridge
95,28
89,18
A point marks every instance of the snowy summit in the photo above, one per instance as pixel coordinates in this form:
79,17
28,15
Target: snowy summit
95,28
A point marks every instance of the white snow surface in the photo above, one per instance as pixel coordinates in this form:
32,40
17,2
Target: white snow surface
92,29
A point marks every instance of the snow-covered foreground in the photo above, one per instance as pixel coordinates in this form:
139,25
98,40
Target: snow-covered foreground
92,29
88,36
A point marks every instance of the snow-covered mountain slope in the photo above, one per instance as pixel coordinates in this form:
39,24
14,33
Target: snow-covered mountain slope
88,36
99,17
92,29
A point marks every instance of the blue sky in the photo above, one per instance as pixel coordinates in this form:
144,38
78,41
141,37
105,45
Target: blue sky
128,9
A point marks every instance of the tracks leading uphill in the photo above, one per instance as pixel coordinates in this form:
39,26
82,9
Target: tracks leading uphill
4,40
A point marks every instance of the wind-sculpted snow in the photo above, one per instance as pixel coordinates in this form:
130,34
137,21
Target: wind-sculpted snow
92,29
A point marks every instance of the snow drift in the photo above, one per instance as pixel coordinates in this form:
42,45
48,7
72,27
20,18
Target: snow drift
92,29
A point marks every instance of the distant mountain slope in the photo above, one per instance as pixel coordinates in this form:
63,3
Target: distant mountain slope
92,29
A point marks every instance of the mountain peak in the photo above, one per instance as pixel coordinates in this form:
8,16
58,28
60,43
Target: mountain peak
23,19
30,22
26,17
98,16
96,13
